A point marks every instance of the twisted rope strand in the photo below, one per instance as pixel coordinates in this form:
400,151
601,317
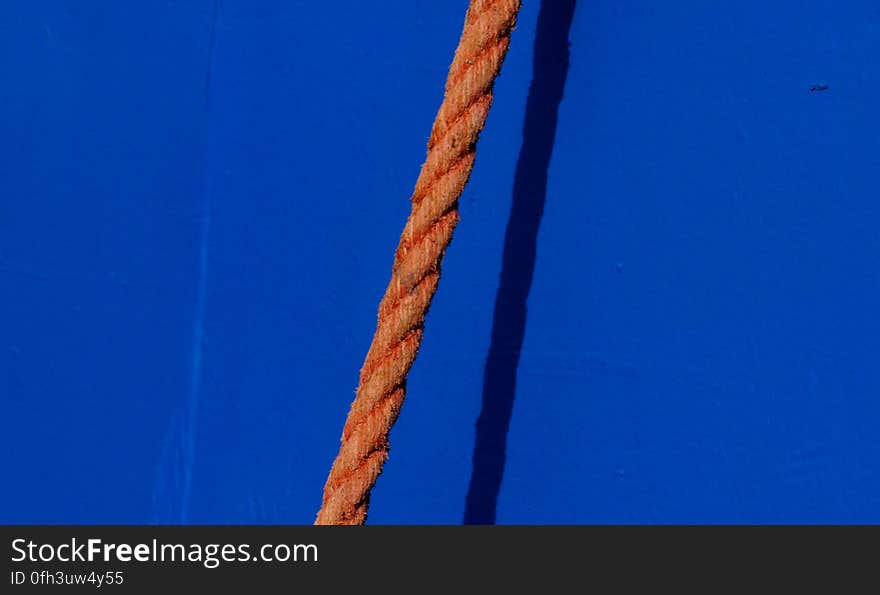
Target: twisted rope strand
416,271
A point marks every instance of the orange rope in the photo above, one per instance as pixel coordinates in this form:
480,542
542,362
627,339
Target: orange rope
416,271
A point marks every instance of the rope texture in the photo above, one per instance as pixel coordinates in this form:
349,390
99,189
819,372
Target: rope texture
416,271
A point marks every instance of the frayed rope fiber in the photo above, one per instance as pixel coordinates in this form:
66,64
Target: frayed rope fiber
416,271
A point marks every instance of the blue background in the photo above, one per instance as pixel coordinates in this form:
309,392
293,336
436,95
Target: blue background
199,202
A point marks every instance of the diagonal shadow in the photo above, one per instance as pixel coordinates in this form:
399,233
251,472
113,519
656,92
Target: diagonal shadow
518,262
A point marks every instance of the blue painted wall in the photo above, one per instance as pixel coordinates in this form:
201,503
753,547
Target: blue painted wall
684,310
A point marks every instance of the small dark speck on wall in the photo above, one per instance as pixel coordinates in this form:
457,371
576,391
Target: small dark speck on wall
821,87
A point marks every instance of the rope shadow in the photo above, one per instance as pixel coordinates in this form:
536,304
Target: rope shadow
550,70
